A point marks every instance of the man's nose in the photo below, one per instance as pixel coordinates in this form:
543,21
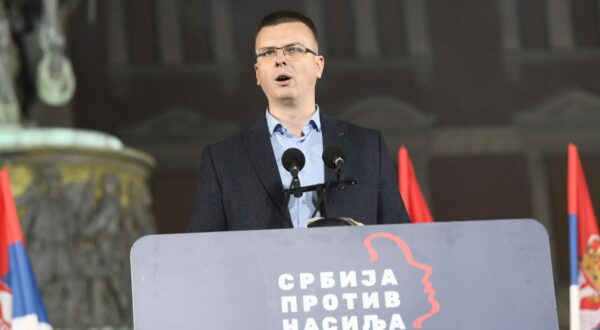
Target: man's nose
280,59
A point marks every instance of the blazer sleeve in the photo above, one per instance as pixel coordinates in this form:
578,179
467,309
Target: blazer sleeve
207,212
390,206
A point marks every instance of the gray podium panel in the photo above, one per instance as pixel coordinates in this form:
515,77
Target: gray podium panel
450,275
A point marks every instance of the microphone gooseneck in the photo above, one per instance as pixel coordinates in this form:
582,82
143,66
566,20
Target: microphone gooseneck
333,157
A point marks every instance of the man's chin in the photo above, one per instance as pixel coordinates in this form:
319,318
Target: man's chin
285,99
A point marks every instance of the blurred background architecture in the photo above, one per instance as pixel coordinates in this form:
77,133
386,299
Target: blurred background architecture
486,94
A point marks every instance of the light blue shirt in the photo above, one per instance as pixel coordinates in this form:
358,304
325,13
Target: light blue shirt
311,145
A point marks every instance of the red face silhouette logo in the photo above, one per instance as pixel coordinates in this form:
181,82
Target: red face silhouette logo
428,288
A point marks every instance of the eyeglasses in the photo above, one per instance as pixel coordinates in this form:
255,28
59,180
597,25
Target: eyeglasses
291,52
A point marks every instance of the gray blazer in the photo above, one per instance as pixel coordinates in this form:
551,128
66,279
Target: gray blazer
239,186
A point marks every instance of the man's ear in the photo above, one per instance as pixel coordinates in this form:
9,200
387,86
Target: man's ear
256,73
320,65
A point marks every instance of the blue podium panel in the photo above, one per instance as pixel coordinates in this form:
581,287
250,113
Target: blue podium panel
450,275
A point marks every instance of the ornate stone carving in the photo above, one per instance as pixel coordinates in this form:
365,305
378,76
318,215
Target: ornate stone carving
572,116
400,122
81,211
176,137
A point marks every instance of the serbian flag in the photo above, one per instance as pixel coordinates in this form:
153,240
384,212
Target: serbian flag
21,306
410,190
584,249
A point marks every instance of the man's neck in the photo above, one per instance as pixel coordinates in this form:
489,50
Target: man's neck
293,118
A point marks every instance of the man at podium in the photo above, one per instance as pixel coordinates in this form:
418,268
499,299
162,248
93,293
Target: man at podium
243,183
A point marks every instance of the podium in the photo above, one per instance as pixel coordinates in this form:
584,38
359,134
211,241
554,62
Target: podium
449,275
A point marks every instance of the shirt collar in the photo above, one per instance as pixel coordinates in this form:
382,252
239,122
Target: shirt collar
276,126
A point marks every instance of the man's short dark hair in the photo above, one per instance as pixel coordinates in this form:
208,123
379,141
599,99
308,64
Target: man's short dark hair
286,16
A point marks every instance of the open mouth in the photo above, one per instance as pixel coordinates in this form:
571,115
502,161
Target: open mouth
282,78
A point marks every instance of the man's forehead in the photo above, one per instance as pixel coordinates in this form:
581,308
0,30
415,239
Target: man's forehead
285,34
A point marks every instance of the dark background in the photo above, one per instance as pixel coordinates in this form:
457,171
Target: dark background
476,156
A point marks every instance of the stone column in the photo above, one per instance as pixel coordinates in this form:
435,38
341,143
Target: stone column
82,203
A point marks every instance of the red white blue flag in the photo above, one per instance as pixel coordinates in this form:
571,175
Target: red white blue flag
584,246
21,306
410,190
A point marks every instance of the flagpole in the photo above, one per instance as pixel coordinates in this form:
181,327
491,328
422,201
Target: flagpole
20,277
574,287
573,237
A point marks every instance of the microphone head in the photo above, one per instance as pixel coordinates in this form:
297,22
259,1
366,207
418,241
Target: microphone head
293,160
333,156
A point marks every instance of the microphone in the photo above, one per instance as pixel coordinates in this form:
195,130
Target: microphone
333,156
293,161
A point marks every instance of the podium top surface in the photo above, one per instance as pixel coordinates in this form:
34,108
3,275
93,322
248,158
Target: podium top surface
449,275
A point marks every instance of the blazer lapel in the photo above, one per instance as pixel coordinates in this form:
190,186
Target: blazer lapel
259,150
334,133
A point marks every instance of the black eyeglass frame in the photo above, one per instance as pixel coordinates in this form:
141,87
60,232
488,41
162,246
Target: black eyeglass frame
262,53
